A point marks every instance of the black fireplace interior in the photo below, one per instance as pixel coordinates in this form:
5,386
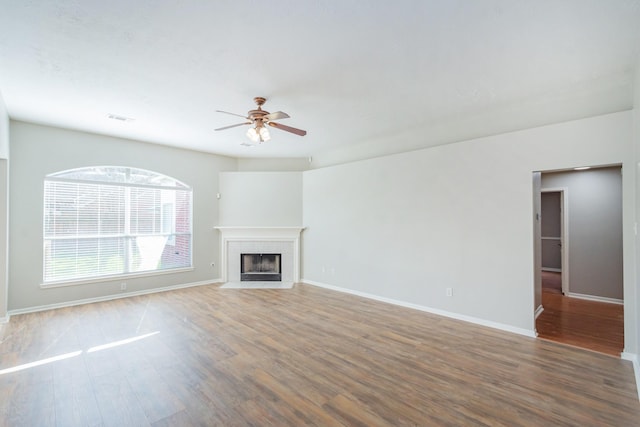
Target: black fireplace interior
260,267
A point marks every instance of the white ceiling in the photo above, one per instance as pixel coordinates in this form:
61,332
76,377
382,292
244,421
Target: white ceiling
364,78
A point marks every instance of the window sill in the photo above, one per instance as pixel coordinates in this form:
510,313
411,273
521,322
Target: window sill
113,278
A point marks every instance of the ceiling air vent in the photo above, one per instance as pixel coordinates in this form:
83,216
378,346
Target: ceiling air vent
120,118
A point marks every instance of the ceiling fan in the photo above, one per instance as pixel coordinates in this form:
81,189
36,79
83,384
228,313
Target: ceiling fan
259,119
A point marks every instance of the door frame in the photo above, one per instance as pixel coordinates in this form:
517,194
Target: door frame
564,233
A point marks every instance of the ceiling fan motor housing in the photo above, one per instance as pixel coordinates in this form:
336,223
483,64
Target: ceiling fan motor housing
258,115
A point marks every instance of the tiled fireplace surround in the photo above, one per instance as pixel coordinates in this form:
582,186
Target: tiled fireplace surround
238,240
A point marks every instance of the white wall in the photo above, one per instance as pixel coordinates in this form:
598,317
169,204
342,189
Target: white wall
537,242
4,129
408,226
594,229
40,150
273,164
4,207
636,138
266,199
4,238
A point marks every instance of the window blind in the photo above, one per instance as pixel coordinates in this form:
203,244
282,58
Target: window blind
97,229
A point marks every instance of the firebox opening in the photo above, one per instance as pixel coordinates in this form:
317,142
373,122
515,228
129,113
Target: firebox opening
260,267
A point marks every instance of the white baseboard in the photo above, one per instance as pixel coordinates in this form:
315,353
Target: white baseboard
110,297
4,319
470,319
595,298
539,311
636,367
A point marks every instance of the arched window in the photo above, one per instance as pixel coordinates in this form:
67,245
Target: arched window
111,220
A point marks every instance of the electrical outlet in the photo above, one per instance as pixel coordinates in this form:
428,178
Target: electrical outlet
449,292
123,286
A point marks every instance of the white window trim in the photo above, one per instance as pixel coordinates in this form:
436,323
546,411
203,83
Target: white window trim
114,278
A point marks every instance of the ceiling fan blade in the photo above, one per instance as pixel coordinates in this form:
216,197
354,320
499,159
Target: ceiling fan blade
276,116
232,126
288,128
233,114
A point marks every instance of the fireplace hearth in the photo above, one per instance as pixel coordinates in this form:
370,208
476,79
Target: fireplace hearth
260,267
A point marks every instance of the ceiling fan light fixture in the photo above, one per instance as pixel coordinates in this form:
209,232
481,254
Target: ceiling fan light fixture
253,135
264,134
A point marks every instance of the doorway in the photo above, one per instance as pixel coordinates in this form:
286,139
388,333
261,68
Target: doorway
588,310
553,240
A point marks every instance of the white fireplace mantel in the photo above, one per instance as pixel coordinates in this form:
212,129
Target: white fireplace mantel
256,235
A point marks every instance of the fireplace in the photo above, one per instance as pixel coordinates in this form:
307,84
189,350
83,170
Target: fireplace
260,267
237,240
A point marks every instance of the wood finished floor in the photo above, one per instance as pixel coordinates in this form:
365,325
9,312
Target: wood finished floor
592,325
552,282
306,356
